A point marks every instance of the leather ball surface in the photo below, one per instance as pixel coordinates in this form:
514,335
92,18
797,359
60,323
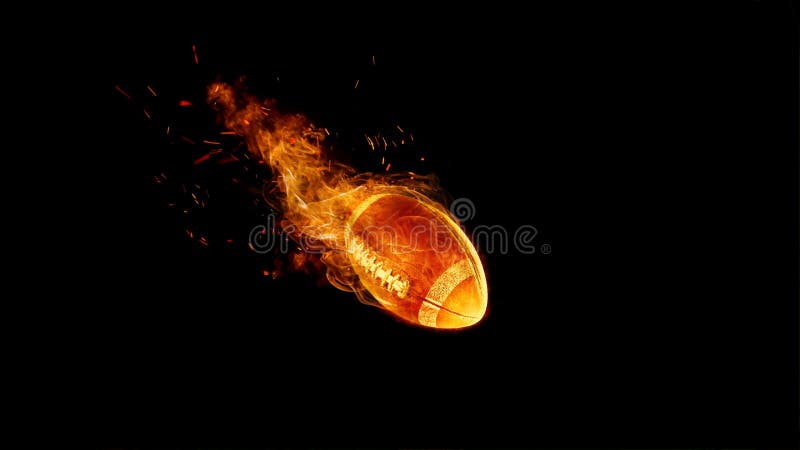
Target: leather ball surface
416,261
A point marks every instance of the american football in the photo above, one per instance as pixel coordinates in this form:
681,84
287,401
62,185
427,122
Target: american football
416,261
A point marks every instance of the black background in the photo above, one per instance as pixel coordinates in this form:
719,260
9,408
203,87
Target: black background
653,149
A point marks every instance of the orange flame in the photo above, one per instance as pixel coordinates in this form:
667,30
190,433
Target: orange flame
382,237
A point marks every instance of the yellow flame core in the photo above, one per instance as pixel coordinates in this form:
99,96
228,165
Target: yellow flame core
323,199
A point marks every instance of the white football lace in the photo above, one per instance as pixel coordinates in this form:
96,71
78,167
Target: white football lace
377,268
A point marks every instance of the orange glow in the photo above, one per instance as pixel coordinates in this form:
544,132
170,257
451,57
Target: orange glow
387,238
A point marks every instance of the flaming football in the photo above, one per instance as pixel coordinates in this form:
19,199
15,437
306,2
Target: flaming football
384,238
416,261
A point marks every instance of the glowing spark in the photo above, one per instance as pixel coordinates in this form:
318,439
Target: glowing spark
373,60
152,91
194,52
184,103
422,158
119,89
370,142
184,138
211,142
398,127
147,114
356,86
388,167
201,160
233,133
